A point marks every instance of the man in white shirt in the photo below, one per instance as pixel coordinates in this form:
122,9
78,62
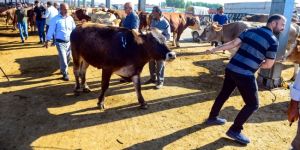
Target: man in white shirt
51,12
293,111
61,27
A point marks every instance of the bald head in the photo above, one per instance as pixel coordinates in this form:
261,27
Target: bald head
64,9
128,7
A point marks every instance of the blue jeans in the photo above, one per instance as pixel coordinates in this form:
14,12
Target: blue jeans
64,55
23,30
41,29
157,69
247,87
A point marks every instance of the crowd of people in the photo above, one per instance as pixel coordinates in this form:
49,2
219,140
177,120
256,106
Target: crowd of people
257,49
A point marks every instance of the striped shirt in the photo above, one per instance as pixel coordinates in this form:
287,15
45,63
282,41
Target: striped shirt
257,44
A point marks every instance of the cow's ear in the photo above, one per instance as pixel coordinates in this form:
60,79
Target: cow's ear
137,36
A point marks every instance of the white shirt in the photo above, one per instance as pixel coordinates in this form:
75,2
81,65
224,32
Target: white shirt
51,12
295,89
61,27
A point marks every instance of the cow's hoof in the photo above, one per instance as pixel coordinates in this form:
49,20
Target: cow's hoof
86,90
101,106
144,106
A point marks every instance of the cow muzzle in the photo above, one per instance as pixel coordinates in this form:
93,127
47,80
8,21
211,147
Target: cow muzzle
170,56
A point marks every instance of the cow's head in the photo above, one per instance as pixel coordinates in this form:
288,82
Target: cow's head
155,44
211,32
295,55
193,23
81,14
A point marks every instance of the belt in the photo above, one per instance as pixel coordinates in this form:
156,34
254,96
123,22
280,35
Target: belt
61,41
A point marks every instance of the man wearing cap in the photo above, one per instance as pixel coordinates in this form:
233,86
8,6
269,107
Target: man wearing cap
61,26
157,68
21,22
132,20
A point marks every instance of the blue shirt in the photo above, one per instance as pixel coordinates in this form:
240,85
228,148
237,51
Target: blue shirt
257,45
163,25
295,89
221,19
61,27
131,21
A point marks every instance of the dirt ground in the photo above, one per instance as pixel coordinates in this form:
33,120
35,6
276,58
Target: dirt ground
39,111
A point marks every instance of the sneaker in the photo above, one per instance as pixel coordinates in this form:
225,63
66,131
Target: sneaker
22,41
65,78
238,136
158,86
215,121
149,81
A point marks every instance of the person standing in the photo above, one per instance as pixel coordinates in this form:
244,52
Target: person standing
157,68
39,11
293,111
51,12
221,19
61,26
132,20
22,22
257,49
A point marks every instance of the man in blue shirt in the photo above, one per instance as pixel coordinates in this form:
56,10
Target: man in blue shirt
221,19
132,20
257,49
61,26
157,68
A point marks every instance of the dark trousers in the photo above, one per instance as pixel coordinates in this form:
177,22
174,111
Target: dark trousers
248,89
41,26
296,141
47,28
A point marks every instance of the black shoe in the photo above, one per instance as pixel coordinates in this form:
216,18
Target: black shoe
150,81
22,41
65,78
40,42
238,136
26,38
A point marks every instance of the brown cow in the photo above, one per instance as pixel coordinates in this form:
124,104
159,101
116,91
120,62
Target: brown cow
31,21
81,15
256,18
294,56
179,22
10,16
115,50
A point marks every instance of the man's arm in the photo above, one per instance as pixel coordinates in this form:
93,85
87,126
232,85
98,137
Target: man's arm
227,46
293,110
51,31
46,14
267,64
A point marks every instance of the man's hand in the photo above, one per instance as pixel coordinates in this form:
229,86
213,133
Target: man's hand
293,111
46,44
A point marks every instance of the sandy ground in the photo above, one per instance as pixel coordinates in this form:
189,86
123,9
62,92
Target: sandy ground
39,111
